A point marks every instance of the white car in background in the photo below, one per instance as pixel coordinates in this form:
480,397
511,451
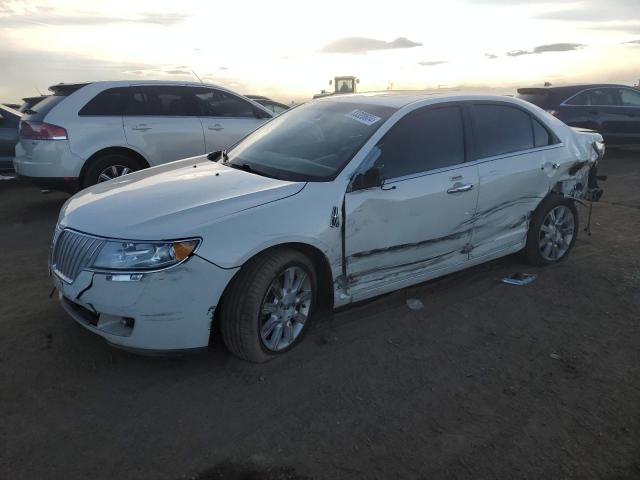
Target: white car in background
84,134
335,201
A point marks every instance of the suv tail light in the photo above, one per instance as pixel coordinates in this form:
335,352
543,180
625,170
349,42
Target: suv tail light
41,131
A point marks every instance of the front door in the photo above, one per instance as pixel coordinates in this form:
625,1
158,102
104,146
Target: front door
226,118
161,122
419,221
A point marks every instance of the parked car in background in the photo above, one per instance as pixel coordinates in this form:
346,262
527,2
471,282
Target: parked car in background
611,110
12,106
84,134
29,102
339,200
9,120
275,107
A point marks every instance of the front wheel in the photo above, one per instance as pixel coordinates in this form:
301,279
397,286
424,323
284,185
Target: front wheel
552,231
269,305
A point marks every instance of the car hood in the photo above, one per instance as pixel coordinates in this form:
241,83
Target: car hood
171,201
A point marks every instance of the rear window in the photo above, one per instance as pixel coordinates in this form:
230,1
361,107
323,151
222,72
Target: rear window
38,111
540,97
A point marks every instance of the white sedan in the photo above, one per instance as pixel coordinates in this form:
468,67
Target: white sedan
338,200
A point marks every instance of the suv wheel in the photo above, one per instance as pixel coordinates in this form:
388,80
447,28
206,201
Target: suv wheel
110,166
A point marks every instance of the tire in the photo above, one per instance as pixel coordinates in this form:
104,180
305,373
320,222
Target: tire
548,241
96,170
251,305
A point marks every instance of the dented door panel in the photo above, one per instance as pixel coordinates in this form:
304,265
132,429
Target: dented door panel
511,187
410,230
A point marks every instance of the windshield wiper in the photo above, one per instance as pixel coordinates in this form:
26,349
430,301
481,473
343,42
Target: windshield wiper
248,168
215,156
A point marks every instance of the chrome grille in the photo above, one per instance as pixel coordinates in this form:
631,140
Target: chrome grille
73,252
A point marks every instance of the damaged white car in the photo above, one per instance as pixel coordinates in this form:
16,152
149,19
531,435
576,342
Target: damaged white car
336,201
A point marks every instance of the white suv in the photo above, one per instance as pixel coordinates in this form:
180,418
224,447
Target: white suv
84,134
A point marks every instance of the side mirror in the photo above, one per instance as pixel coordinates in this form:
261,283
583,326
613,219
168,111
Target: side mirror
370,178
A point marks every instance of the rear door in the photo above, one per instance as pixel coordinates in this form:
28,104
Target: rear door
630,109
226,118
420,220
517,159
161,122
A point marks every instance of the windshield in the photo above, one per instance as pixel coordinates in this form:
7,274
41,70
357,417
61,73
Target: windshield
312,142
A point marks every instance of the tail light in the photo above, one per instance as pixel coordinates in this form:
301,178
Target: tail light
553,112
41,131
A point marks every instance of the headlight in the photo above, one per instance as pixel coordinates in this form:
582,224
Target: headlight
599,147
126,255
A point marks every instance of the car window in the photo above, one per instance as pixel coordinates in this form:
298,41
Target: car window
596,96
541,136
629,98
107,103
501,129
216,103
423,140
161,100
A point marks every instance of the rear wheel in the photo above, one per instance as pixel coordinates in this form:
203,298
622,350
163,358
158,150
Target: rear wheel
110,166
552,231
269,305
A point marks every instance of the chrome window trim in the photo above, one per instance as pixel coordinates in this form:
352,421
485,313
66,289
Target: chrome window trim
477,161
104,271
565,104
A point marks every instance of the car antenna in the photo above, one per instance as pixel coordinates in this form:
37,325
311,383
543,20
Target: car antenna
196,75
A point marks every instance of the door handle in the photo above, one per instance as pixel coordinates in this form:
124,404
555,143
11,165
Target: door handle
217,127
457,188
555,166
141,128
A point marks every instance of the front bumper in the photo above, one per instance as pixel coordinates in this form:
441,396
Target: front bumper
167,311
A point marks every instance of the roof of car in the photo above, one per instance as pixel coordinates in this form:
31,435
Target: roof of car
401,99
574,87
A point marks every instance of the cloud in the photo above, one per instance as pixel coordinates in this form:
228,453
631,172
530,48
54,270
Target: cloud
178,72
49,18
553,47
632,42
432,63
490,56
359,45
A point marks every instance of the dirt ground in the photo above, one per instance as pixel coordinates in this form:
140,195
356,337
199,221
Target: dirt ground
486,381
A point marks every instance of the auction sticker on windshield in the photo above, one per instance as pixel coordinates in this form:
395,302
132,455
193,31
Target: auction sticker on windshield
363,117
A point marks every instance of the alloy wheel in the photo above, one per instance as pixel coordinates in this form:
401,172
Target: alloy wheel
113,171
285,309
556,233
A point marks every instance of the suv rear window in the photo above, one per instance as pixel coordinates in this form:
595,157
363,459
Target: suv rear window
110,102
38,111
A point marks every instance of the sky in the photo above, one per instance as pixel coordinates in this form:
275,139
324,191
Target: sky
289,50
